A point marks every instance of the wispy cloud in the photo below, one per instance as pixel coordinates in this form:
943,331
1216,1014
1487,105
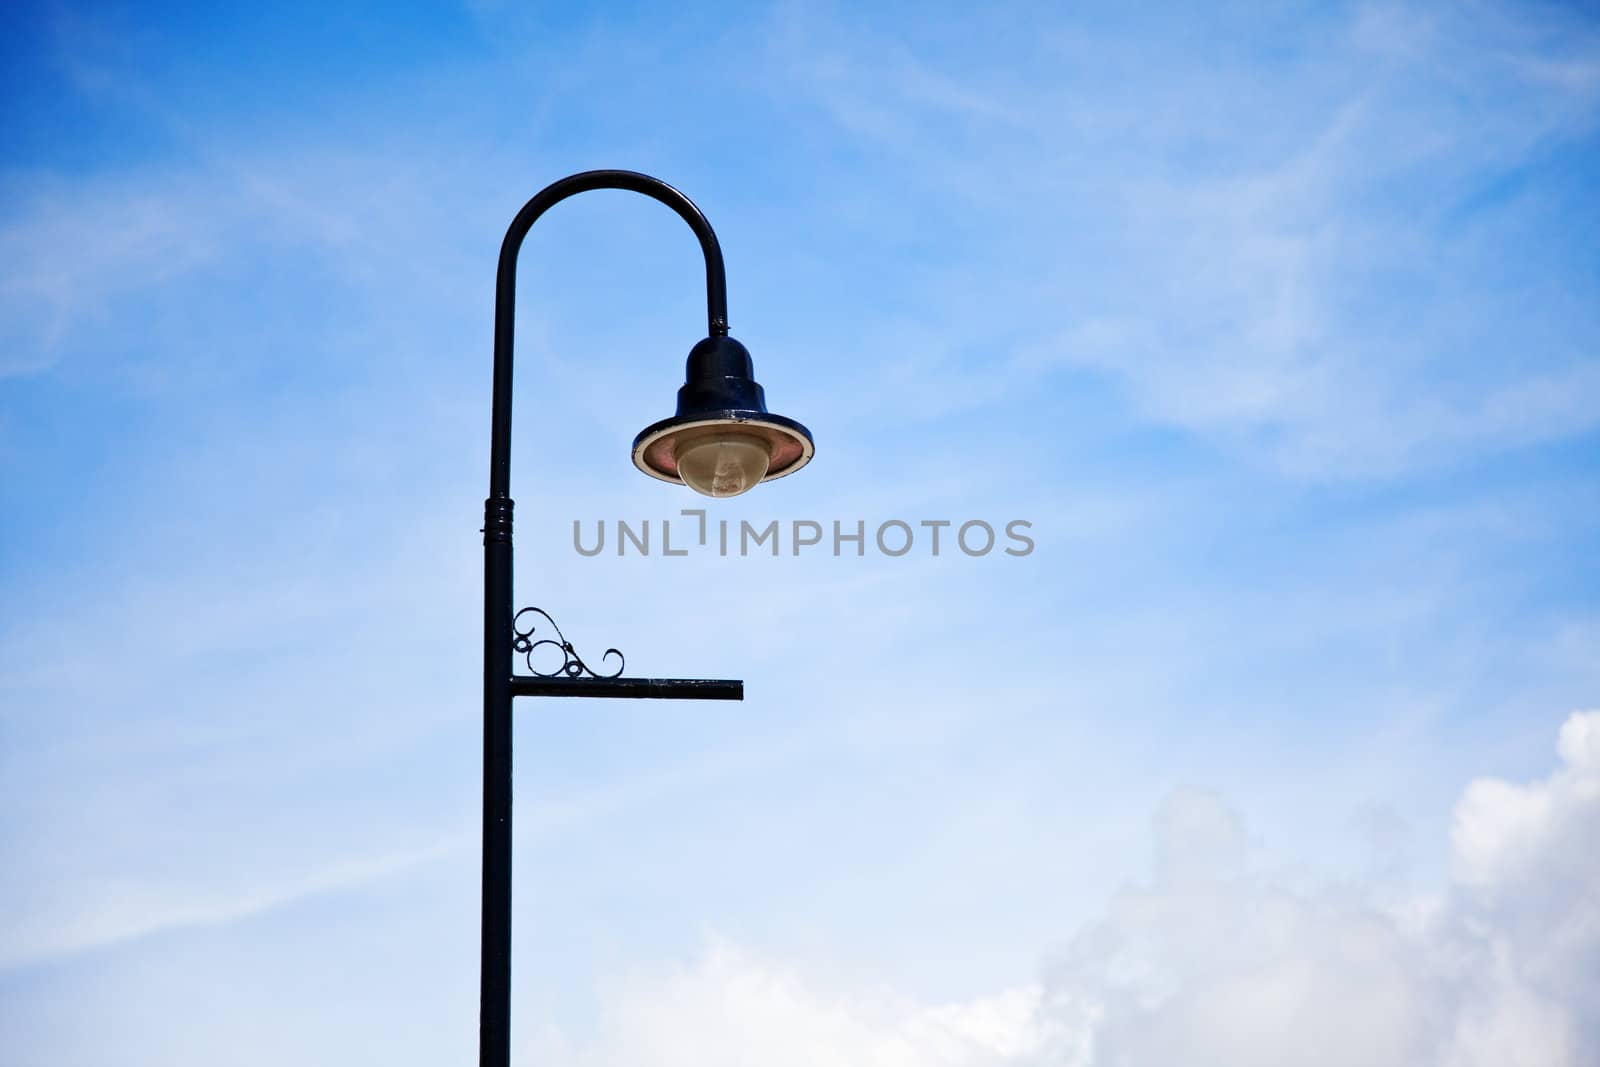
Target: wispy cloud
1334,243
1223,958
116,913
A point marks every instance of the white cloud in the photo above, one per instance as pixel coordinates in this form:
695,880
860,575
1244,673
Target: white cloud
1220,960
1504,831
734,1009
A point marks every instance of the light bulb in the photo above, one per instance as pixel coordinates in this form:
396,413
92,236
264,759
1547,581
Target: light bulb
724,464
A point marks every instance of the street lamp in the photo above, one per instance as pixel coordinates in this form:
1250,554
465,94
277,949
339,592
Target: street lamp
721,442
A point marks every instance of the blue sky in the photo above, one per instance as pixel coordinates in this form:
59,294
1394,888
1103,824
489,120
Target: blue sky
1279,327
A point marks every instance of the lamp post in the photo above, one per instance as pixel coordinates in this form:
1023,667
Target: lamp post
721,442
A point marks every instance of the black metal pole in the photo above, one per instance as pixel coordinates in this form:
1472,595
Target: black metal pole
494,1006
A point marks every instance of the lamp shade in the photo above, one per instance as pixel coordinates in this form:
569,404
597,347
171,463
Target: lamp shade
723,440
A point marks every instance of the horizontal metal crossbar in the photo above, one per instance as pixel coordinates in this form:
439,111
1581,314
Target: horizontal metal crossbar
523,685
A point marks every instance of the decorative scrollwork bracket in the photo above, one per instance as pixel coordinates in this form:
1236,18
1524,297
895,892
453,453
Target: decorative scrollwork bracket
525,643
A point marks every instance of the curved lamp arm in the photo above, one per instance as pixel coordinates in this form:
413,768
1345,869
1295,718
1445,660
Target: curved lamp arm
506,291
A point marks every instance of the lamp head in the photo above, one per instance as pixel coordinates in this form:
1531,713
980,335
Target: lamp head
723,440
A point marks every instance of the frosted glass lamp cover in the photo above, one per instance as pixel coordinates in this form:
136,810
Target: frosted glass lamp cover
724,464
